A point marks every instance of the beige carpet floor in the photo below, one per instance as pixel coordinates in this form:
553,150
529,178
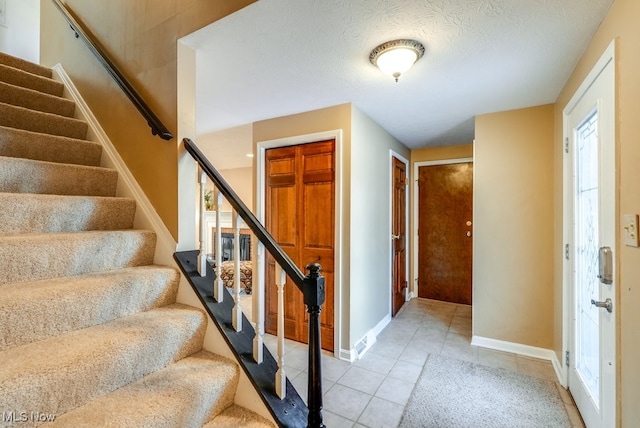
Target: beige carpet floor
459,394
90,331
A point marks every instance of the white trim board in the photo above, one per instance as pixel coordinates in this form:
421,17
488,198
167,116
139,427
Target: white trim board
520,349
369,339
261,148
146,216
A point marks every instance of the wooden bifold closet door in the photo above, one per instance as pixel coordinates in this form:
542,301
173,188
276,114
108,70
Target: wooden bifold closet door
300,214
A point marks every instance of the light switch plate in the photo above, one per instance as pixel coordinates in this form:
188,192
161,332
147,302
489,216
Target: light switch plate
630,229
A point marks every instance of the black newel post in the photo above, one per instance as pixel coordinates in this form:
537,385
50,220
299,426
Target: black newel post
313,290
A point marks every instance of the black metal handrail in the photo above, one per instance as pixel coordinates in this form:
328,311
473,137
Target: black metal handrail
157,127
312,285
249,218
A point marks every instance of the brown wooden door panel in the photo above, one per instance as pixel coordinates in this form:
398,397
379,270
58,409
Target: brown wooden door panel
300,212
399,230
445,232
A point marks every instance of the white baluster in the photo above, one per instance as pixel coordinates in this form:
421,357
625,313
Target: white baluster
257,290
281,377
202,257
236,320
218,286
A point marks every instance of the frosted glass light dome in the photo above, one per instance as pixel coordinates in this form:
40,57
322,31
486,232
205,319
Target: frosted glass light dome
396,57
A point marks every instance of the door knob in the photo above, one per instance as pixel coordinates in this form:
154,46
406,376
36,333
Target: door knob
395,236
607,304
468,234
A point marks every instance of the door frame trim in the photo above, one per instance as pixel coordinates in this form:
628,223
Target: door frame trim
261,148
414,232
608,56
405,161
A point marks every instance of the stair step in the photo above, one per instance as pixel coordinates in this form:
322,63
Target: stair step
27,257
18,143
235,416
18,77
73,303
55,375
184,394
54,213
22,64
31,176
34,100
37,121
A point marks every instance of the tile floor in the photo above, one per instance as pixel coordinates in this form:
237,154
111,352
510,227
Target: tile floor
373,391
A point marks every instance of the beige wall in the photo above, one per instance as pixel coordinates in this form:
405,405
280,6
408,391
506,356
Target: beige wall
370,257
513,226
442,153
622,23
142,37
241,181
460,151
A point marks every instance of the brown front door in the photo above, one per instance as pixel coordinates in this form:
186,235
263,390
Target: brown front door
399,232
444,232
300,213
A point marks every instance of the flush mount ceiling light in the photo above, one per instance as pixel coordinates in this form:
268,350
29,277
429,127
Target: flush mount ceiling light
397,56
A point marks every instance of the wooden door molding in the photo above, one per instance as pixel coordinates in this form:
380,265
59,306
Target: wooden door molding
260,194
413,292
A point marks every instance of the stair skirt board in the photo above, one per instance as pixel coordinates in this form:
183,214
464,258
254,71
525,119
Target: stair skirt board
90,331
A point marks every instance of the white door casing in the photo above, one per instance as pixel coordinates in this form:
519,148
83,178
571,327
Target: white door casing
590,212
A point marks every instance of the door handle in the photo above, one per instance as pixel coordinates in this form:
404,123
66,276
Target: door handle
395,236
607,304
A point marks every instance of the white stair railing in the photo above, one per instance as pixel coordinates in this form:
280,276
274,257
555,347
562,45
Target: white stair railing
312,285
202,256
258,281
281,376
258,299
218,286
236,314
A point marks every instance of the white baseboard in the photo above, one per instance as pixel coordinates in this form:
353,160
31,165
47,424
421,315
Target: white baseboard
365,343
520,349
146,216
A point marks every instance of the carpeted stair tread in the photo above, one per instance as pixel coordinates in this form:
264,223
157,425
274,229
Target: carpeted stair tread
184,394
25,79
35,100
31,176
37,121
61,373
55,213
235,416
15,62
30,257
32,311
18,143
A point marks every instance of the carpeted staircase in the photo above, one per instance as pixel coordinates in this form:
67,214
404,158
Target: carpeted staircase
90,331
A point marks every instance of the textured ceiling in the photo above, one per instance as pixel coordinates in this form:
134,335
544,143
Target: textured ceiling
279,57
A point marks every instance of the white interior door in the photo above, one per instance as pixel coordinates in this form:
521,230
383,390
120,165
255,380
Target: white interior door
591,191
